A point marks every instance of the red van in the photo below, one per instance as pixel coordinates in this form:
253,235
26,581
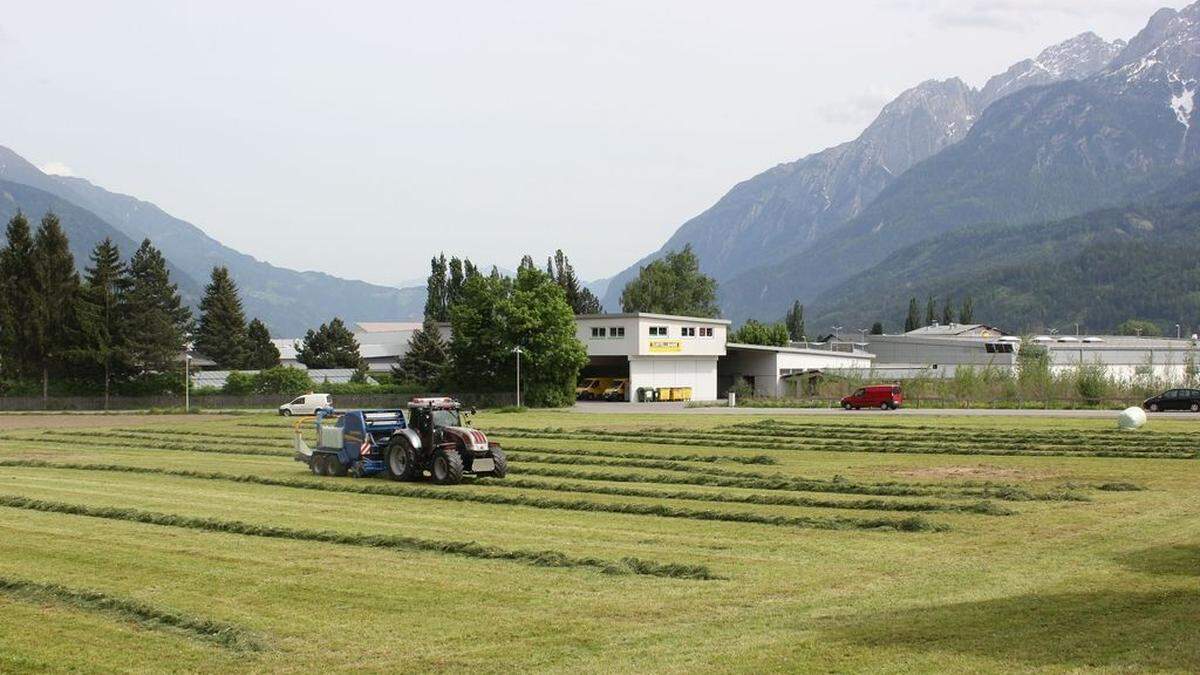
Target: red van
882,396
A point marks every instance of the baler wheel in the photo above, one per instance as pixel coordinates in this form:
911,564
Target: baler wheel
447,467
314,466
336,468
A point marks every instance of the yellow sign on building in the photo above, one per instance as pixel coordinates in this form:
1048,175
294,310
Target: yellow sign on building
665,346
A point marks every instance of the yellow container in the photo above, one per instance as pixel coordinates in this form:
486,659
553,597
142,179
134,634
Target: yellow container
681,394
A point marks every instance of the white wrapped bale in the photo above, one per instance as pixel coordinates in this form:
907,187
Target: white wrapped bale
1131,418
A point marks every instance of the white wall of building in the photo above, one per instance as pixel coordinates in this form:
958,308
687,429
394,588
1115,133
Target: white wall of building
699,373
768,365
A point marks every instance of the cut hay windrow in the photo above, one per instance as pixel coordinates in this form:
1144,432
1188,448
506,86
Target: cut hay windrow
908,524
1002,492
747,480
674,457
1050,436
168,433
466,549
702,440
1003,444
63,438
147,616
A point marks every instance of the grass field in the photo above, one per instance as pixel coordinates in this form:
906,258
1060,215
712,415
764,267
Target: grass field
617,543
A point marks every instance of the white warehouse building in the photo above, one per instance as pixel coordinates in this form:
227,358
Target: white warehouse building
659,350
654,350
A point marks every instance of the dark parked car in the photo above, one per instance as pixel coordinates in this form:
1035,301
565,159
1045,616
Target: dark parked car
1174,399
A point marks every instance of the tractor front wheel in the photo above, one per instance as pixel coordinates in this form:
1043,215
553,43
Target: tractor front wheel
447,467
501,463
402,462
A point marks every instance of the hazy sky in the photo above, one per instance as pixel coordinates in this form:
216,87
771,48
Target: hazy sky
360,138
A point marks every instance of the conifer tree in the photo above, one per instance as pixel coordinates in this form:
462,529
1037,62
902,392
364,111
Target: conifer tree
262,354
454,284
913,320
947,312
795,321
102,313
581,300
155,312
877,328
967,313
435,290
930,311
56,288
221,334
17,300
425,362
332,345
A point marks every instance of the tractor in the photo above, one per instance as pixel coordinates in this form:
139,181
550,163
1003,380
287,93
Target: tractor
437,440
370,442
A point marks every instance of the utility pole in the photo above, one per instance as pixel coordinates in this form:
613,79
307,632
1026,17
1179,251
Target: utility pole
518,351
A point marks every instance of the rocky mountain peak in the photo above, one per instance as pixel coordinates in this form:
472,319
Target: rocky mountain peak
1075,59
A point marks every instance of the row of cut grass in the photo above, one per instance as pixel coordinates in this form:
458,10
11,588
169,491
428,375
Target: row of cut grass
148,616
908,524
468,549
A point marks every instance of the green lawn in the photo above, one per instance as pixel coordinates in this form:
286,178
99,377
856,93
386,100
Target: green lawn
813,544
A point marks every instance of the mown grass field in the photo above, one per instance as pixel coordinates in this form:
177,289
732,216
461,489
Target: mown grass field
617,543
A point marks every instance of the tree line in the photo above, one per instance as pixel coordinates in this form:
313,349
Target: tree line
122,325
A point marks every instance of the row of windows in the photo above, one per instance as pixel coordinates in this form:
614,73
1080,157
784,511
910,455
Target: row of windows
615,331
655,331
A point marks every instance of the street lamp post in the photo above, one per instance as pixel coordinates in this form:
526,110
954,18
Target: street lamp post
187,383
1178,332
518,351
837,333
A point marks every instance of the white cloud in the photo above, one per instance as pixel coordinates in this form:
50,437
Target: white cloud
56,169
860,108
1014,15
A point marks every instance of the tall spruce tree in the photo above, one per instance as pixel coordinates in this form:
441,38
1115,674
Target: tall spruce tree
947,312
913,320
332,345
17,300
425,362
261,353
877,328
221,334
435,290
795,321
582,300
155,311
103,314
930,311
56,287
967,313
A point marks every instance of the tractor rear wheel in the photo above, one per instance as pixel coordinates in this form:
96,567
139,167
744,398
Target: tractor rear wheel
447,467
501,463
402,462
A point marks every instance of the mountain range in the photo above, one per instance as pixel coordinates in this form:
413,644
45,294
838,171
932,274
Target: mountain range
288,301
1087,124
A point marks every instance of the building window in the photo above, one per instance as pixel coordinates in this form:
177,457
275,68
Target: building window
658,331
616,331
688,331
597,332
705,332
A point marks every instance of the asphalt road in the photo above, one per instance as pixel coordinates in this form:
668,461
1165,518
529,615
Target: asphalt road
682,409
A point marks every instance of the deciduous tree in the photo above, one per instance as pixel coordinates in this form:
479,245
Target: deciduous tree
795,321
261,353
672,285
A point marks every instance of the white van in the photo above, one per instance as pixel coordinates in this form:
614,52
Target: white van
306,405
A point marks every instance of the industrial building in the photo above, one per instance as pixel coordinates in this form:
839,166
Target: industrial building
939,350
658,350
